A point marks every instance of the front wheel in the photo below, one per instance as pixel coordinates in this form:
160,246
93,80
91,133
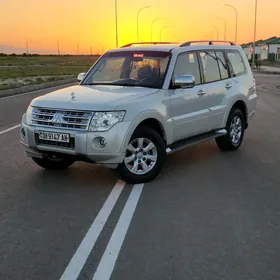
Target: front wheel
144,157
235,128
53,164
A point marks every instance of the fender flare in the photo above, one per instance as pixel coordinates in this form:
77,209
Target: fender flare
148,114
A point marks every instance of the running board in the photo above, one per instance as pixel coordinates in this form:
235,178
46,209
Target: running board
194,140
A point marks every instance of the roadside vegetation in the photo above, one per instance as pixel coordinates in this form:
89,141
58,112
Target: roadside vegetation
21,70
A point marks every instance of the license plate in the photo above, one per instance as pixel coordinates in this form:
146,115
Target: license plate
53,136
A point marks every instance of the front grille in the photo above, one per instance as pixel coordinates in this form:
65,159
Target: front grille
55,144
78,120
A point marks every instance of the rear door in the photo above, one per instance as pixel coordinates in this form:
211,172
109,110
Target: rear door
189,111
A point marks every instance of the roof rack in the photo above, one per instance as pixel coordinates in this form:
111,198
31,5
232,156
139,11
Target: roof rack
148,43
209,42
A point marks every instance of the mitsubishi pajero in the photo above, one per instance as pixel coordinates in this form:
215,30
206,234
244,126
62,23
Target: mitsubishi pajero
141,102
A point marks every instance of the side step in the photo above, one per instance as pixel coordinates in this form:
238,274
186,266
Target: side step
195,140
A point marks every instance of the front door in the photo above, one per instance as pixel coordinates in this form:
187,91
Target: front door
217,78
189,110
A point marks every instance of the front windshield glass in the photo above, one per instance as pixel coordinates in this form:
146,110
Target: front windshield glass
130,68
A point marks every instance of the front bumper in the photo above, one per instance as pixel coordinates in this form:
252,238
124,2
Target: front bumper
84,144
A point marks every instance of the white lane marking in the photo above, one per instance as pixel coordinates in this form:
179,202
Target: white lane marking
77,262
107,263
9,129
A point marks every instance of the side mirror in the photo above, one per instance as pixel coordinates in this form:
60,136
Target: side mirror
184,81
81,76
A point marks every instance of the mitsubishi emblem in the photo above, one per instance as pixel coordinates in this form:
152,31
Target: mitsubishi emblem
73,96
58,118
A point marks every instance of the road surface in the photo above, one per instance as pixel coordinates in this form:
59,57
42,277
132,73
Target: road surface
209,215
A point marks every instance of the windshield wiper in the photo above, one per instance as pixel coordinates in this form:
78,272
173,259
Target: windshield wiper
121,85
107,84
97,84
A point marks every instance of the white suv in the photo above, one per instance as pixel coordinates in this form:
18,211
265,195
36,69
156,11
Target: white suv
139,103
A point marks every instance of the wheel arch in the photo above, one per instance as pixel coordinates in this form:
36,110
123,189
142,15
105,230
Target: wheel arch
152,120
239,104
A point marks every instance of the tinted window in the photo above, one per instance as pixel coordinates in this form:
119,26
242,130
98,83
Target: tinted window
187,64
159,66
109,71
130,68
222,65
236,63
210,66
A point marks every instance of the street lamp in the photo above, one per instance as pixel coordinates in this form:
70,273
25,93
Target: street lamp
217,31
225,36
145,7
161,32
152,24
236,18
116,19
255,30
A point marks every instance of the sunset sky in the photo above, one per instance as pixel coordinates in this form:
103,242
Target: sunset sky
92,22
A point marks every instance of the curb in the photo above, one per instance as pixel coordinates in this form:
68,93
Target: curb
266,72
18,91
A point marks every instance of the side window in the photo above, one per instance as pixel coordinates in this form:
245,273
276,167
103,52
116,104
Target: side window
222,65
236,63
187,64
210,66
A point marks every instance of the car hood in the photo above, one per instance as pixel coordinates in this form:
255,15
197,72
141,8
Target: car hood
95,98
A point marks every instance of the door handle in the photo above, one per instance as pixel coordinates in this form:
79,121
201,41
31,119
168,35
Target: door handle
201,92
228,86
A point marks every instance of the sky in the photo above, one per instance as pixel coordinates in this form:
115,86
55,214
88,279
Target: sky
92,22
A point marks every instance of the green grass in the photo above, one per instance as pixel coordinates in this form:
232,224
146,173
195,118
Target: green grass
37,81
42,71
60,60
44,65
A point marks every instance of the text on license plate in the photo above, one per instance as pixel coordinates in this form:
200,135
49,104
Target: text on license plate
53,136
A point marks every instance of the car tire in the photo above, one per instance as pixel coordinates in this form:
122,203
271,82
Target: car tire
144,157
49,164
235,131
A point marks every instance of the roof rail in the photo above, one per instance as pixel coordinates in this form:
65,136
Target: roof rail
207,41
148,43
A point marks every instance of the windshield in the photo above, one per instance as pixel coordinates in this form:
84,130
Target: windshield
130,68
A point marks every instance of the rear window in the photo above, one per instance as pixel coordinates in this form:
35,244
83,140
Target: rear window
236,63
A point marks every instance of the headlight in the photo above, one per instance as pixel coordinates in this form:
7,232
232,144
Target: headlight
103,121
28,115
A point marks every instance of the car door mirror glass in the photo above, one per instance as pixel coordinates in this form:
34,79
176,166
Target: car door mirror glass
81,76
184,81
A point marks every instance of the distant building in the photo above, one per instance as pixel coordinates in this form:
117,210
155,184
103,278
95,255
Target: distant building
265,49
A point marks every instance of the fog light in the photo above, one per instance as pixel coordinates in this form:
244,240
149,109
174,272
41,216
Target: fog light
102,142
23,132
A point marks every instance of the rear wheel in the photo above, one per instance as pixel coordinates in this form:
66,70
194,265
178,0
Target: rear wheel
235,128
144,157
53,164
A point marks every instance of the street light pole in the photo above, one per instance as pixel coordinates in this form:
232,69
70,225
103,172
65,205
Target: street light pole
236,19
217,31
152,25
145,7
161,32
255,31
116,18
225,35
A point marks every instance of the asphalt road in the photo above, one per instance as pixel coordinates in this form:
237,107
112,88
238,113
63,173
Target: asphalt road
209,215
